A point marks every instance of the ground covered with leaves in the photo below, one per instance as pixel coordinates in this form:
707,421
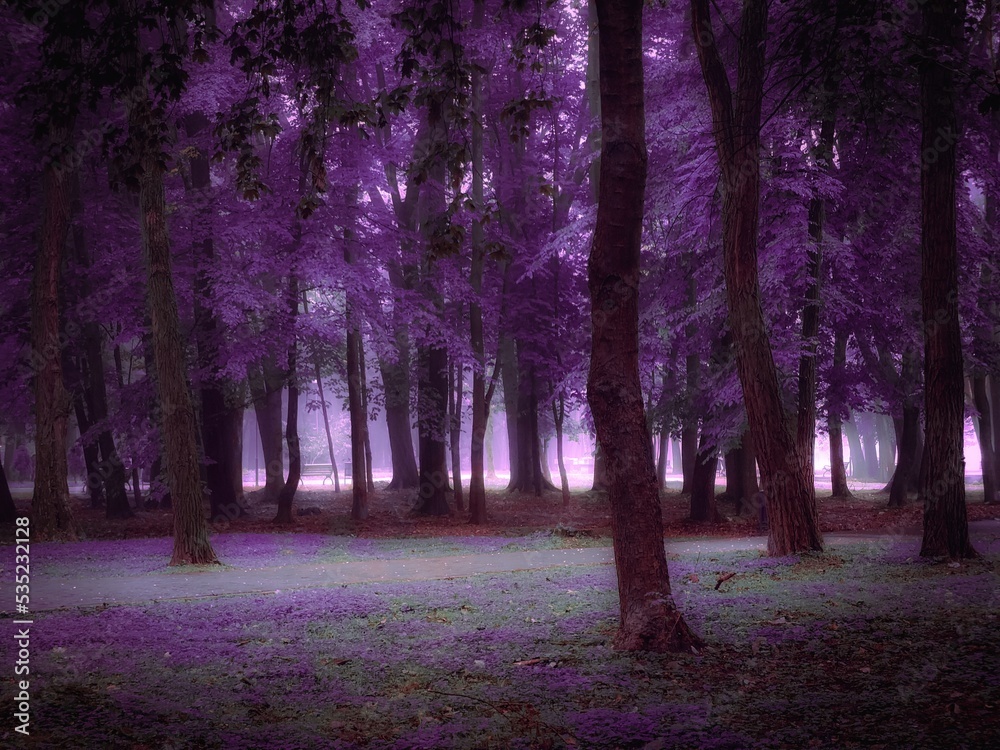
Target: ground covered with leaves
862,646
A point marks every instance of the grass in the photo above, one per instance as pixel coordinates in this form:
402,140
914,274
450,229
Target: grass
861,647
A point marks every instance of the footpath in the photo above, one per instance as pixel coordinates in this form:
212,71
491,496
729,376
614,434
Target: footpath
48,594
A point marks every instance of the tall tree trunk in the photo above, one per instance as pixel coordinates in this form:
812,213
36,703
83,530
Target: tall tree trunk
942,472
480,411
886,431
703,505
790,497
232,424
805,422
359,420
982,402
191,543
287,495
209,333
648,617
52,517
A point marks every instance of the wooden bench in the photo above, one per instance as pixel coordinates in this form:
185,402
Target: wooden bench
317,470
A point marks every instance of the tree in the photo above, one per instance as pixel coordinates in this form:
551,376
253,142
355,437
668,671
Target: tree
790,498
648,617
942,470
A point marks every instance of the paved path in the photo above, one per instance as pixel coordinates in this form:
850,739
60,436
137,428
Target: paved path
49,594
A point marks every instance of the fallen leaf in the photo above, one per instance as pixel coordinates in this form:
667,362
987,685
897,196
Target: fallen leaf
723,578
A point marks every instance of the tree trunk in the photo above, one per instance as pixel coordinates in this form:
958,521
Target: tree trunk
455,422
868,432
233,426
886,445
692,366
703,506
191,543
266,384
8,510
838,472
648,617
942,473
558,417
508,370
218,473
287,495
396,381
661,460
790,497
805,422
859,463
994,383
359,421
369,474
982,402
433,470
600,483
52,517
326,427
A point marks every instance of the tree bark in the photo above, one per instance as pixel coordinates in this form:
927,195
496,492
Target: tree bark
838,472
359,420
8,510
455,382
661,460
558,417
266,384
218,473
703,505
805,422
790,498
326,427
287,495
648,617
396,382
52,517
942,473
191,542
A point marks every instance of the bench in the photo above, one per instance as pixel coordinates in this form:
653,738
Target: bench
317,470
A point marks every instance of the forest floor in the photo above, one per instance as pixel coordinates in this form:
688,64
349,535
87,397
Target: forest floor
864,646
510,514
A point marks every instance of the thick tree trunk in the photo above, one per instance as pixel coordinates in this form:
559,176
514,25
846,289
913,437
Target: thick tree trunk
790,497
50,507
649,619
703,505
886,430
942,473
287,495
901,477
191,543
